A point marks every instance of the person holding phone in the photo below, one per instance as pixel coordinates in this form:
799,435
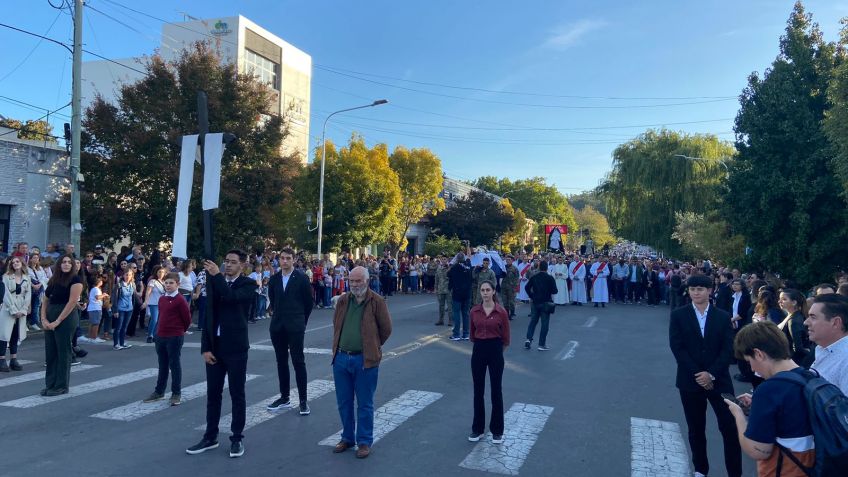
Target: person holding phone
224,345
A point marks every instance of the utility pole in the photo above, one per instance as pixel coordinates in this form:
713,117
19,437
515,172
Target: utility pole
76,125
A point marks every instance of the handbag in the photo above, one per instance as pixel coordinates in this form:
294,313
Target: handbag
550,308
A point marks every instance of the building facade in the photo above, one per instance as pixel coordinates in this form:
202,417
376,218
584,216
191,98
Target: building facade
33,185
286,69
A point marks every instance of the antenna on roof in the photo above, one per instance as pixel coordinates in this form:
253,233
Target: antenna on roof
187,16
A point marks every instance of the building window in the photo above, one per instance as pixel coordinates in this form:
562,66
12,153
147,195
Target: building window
267,70
5,215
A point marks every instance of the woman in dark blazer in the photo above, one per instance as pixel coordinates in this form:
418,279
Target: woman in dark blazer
792,302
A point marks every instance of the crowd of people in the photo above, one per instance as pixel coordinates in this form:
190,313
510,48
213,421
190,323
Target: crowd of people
765,325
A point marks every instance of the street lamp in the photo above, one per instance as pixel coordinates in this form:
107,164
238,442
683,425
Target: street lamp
323,159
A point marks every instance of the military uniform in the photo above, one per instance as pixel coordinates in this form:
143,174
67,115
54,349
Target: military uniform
508,286
480,276
443,294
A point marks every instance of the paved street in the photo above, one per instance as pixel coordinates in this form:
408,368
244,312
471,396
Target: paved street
600,403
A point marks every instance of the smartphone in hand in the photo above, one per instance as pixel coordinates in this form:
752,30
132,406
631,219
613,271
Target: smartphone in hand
732,398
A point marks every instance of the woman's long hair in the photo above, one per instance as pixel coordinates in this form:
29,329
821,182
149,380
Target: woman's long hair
59,277
766,301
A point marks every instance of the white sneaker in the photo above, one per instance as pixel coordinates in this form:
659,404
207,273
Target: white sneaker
34,327
126,346
98,340
117,347
84,339
698,474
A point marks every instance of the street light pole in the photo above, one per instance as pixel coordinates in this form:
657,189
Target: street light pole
323,160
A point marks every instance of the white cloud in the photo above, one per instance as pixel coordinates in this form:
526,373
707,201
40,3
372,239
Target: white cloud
569,34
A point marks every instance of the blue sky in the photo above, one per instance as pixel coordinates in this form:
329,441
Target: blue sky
690,55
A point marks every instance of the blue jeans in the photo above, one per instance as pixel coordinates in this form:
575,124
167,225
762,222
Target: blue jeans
463,308
413,284
539,310
35,316
327,292
119,334
201,311
154,320
353,379
261,305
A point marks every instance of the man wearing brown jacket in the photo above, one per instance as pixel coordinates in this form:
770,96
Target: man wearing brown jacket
361,325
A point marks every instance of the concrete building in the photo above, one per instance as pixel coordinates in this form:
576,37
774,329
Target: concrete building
33,181
286,69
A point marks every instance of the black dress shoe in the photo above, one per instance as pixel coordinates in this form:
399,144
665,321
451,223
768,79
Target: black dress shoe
56,392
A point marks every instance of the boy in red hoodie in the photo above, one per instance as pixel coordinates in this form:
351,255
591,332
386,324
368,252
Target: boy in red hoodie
174,321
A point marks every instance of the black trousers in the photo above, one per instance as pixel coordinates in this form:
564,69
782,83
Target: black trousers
634,292
285,343
695,410
488,354
57,348
168,350
233,367
388,285
13,341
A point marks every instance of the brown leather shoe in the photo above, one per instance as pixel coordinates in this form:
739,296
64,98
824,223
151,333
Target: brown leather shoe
341,447
363,451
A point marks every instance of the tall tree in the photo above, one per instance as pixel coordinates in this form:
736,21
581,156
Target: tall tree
782,186
836,118
476,218
361,197
539,201
649,183
36,130
589,219
419,174
131,155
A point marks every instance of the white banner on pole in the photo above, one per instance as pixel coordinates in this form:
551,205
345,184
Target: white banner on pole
212,152
189,151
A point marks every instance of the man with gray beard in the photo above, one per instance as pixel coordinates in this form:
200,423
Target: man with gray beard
361,326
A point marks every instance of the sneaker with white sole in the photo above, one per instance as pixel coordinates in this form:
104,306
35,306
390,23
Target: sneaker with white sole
474,436
236,449
543,348
117,347
98,340
280,403
84,339
304,409
126,346
202,447
497,439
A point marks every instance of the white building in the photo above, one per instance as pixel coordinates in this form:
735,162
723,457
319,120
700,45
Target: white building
33,181
286,69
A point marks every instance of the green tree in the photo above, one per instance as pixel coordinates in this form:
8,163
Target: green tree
437,244
708,237
131,155
476,218
588,198
649,183
30,129
513,238
361,197
782,185
419,174
836,118
534,196
589,219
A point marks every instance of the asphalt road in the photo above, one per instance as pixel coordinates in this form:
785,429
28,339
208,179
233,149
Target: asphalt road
571,409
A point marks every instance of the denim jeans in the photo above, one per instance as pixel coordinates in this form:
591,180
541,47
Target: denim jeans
327,294
539,310
413,284
201,311
119,334
154,320
168,351
35,315
352,379
460,307
261,305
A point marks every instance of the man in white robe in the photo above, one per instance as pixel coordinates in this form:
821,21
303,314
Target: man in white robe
577,273
560,273
600,289
523,265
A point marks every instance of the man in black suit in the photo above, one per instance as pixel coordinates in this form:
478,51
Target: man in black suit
224,344
290,295
701,339
724,295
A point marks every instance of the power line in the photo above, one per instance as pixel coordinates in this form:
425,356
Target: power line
534,105
28,55
29,105
334,69
36,120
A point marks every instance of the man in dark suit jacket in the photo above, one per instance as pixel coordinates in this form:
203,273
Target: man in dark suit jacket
224,344
701,339
724,295
290,295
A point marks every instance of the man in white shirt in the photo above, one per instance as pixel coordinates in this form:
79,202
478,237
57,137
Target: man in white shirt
827,322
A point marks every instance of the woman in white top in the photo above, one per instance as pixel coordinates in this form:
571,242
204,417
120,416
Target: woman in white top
188,279
95,311
414,271
155,289
13,311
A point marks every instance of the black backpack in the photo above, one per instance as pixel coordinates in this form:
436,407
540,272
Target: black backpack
827,408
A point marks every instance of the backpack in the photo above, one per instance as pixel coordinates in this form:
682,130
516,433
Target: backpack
827,409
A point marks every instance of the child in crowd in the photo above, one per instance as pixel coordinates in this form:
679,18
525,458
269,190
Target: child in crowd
174,321
328,286
95,310
262,305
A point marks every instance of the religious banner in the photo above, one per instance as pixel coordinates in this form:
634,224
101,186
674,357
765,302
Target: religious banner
555,237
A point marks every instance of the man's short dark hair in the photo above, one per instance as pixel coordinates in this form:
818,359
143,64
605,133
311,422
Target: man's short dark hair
699,281
727,275
764,336
824,285
172,276
834,305
287,251
242,255
543,266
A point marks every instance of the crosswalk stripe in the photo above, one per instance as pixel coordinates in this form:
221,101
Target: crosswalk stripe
522,425
25,361
87,388
568,352
254,347
138,409
258,413
392,414
658,448
23,378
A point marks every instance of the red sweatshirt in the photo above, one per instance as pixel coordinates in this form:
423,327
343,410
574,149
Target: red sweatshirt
174,316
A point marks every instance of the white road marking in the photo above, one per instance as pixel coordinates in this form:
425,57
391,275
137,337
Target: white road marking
419,343
87,388
23,378
317,351
522,425
419,306
392,414
25,361
254,347
138,409
569,351
590,322
258,413
319,328
658,448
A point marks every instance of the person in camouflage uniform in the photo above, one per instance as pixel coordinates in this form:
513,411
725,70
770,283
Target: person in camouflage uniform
508,286
443,291
482,274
